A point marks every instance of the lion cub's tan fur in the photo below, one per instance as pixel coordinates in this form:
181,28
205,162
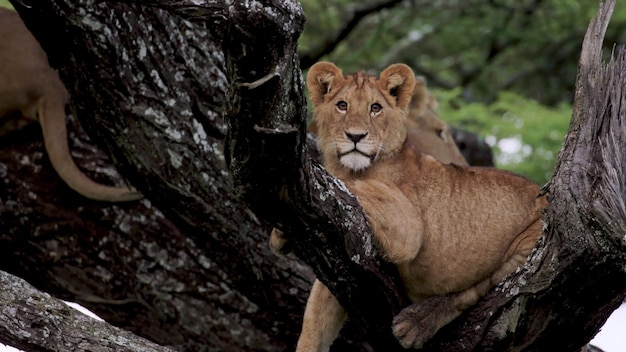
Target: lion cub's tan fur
454,232
29,85
426,133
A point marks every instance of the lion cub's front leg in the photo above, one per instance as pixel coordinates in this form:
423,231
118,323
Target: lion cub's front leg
398,230
323,318
395,222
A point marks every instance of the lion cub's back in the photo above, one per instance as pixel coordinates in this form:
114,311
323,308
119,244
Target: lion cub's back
472,216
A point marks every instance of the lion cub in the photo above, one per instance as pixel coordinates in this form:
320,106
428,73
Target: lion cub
454,232
426,133
29,85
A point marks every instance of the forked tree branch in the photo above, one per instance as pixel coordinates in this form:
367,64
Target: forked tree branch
530,310
273,173
241,61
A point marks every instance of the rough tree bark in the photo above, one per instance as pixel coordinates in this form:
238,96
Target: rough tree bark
540,306
35,321
152,88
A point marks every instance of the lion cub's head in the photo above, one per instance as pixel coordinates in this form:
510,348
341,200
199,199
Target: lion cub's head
359,118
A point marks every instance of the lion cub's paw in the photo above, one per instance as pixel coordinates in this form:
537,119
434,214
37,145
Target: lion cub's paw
410,326
279,243
419,322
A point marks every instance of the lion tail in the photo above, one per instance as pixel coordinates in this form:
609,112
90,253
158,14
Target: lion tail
51,116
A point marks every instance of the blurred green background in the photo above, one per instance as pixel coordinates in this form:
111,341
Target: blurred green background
504,69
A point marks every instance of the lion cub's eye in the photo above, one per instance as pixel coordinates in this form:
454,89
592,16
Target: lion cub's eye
342,106
376,108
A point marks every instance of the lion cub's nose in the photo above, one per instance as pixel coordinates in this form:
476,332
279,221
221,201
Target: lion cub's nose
356,138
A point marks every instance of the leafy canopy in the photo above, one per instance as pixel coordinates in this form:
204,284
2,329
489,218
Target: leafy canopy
504,69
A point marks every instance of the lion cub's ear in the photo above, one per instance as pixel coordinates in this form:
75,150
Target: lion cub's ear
321,79
398,80
420,97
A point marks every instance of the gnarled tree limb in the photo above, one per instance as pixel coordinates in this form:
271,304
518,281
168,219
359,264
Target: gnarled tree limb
151,88
32,320
533,309
188,268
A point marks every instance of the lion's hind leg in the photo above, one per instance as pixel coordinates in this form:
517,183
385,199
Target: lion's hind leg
519,251
419,322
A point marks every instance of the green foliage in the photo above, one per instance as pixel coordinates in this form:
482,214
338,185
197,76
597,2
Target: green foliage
526,136
5,3
504,69
527,46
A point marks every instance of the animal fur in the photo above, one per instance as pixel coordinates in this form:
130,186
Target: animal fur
453,231
29,85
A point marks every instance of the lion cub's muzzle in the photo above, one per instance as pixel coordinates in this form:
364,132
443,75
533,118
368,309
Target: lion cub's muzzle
355,151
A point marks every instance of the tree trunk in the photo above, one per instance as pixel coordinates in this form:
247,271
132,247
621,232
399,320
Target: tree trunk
171,90
187,267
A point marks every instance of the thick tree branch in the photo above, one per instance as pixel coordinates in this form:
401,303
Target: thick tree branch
32,320
150,88
272,172
531,310
538,308
130,264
